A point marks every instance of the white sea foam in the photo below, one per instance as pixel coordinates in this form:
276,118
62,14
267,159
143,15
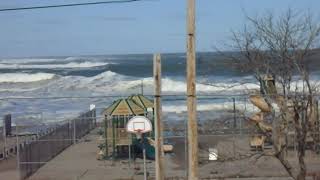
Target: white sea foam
42,60
29,60
111,82
52,66
24,77
176,86
241,106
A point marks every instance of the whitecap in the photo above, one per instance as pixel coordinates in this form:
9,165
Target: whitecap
24,77
53,66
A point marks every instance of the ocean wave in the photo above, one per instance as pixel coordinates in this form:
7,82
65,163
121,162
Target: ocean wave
241,106
176,86
53,66
24,77
44,60
29,60
111,82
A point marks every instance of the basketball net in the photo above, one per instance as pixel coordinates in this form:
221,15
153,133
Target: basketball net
138,133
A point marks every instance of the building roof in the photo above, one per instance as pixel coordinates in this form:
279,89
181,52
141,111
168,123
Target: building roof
124,107
142,101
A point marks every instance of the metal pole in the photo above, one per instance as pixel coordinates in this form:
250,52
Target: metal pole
234,126
4,137
158,120
18,152
74,131
144,158
318,125
234,114
129,155
245,110
191,93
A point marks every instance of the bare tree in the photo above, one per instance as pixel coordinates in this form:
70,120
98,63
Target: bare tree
281,47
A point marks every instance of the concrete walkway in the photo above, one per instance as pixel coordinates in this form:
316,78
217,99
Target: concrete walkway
79,162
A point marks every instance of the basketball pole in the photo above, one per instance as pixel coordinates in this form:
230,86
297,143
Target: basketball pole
144,157
193,173
140,132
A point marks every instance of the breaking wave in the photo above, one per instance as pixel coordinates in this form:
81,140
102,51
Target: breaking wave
108,82
177,86
216,106
52,66
24,77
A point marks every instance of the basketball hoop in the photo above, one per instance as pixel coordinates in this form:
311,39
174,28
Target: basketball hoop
139,125
138,131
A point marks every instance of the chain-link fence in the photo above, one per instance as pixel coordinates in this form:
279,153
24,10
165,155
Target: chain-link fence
47,145
69,149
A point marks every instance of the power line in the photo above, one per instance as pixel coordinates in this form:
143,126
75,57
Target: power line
69,5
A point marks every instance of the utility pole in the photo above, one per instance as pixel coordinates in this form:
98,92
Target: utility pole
191,93
158,120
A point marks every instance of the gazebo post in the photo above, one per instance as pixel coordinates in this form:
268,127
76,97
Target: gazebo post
113,138
106,134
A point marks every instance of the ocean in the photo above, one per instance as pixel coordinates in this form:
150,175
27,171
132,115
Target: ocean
28,85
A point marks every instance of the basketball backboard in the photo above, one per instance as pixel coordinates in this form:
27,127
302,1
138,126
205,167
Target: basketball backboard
139,125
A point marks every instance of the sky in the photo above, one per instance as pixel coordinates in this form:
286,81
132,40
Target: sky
151,26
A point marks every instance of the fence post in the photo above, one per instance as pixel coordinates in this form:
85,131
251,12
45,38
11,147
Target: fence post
6,131
18,152
234,114
74,131
95,117
318,125
21,156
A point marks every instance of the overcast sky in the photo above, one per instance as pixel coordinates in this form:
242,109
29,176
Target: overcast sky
140,27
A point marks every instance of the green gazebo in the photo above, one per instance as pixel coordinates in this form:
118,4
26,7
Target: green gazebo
118,141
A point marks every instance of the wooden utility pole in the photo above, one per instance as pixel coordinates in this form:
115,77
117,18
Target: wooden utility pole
191,93
158,120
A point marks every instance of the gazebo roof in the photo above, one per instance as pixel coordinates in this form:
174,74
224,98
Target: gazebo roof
124,107
142,101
